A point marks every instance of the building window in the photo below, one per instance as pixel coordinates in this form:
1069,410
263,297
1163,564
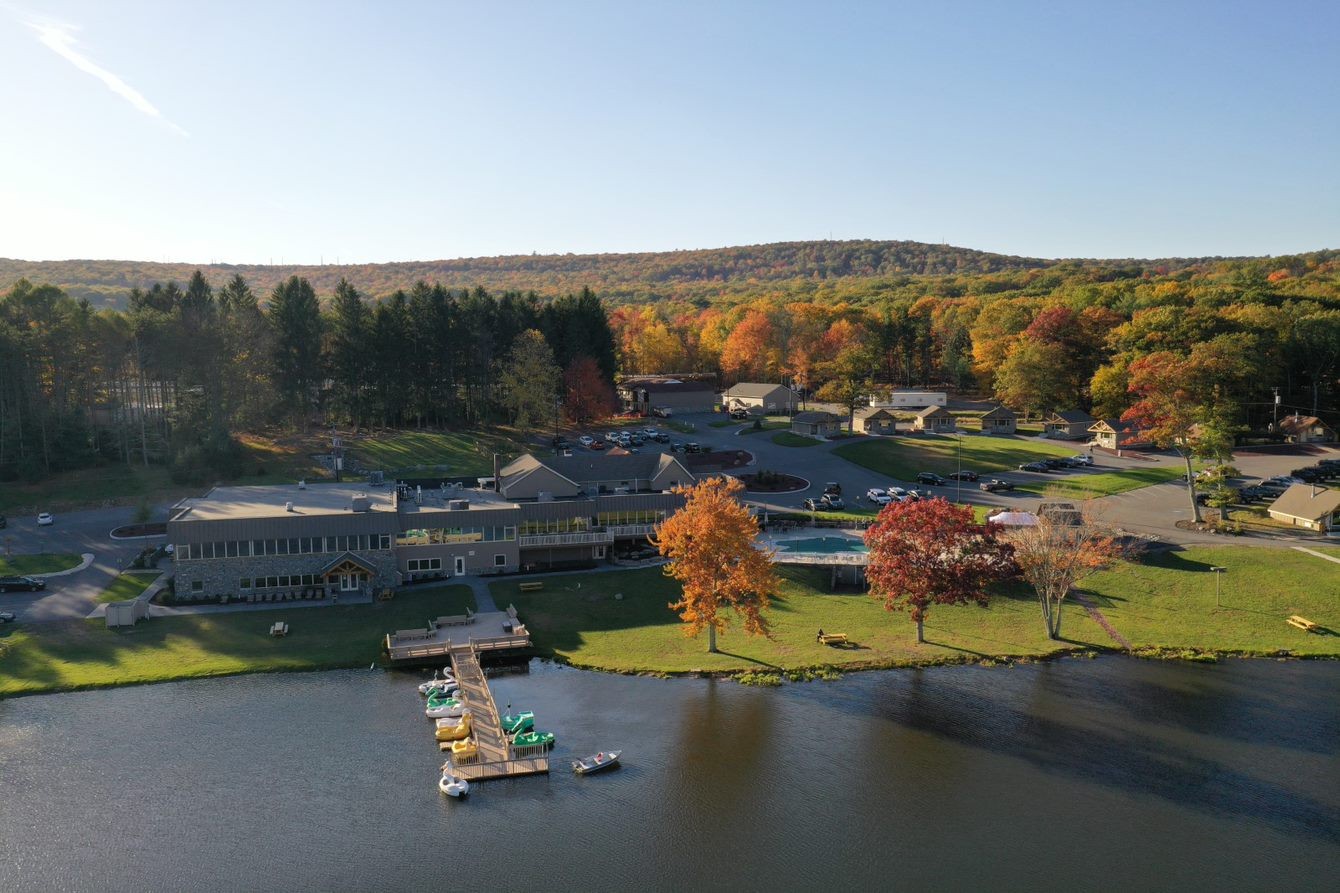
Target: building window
244,583
197,585
271,582
183,551
499,560
232,549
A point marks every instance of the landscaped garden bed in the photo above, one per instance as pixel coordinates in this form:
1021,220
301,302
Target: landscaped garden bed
131,531
766,481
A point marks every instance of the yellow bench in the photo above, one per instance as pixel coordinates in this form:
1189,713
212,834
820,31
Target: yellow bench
532,586
1304,624
832,639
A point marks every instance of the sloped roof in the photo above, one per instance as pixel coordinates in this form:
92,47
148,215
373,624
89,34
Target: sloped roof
1000,412
752,389
869,412
1306,501
349,558
1073,417
1116,426
668,385
584,467
933,411
1299,424
815,416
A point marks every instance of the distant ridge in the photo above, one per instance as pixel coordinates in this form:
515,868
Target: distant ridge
647,276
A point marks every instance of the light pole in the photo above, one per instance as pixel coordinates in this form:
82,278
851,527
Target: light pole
1275,419
958,477
1218,576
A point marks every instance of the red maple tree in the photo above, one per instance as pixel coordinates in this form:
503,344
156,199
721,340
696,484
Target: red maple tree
931,552
586,394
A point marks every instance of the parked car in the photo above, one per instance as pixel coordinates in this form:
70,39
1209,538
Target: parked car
1082,460
1256,494
1034,466
833,487
1054,463
931,478
994,485
962,475
45,520
816,505
8,617
834,501
917,495
878,496
586,440
596,444
1286,480
897,494
692,448
739,414
22,584
661,437
661,412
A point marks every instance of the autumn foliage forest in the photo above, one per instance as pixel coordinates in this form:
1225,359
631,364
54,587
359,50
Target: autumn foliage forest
417,344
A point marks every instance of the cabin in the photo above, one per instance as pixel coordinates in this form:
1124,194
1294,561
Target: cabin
1308,506
816,424
1306,429
874,420
1069,424
936,420
645,393
759,398
1114,434
1000,421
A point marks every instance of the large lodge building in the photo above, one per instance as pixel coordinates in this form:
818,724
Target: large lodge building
555,512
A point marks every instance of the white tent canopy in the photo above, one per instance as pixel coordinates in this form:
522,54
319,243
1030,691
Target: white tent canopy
1015,519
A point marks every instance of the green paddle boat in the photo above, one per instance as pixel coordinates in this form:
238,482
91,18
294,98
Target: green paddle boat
523,721
527,739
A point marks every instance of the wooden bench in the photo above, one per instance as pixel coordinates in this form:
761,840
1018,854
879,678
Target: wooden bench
457,619
1304,624
411,635
531,586
832,638
279,628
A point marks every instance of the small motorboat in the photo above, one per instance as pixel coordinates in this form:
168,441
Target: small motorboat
450,708
523,721
531,738
451,785
456,732
464,748
596,762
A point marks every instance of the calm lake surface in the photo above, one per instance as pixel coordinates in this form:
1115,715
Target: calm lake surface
1103,774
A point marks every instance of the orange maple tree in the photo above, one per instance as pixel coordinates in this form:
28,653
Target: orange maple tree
710,544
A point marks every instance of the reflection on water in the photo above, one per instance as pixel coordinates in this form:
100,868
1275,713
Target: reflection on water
1108,773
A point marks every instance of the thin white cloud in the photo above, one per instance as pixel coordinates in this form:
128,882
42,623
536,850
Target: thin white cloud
60,40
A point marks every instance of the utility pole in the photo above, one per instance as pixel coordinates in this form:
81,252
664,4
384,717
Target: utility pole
337,454
1275,420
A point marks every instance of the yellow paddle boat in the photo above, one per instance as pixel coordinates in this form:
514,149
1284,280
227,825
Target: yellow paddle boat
465,748
456,732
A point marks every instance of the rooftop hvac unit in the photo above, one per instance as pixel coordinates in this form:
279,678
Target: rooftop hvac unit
360,503
458,505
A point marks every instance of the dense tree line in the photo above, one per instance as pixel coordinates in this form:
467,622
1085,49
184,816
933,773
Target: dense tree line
173,377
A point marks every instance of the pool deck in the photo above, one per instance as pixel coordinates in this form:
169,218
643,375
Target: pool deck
779,543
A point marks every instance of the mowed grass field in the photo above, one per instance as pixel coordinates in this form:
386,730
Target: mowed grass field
1164,602
46,563
72,654
1080,484
458,452
901,458
127,586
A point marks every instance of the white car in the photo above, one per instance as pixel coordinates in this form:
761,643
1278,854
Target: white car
650,432
896,494
586,440
878,496
45,520
8,617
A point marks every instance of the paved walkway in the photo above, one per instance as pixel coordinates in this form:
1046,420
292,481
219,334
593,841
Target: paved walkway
1317,554
87,560
483,598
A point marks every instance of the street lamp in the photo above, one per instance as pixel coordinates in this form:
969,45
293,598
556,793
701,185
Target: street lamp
958,478
1218,576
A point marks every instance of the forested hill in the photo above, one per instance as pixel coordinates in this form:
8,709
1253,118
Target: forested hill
650,276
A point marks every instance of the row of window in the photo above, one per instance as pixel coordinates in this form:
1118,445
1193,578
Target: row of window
557,525
423,564
307,545
630,516
428,536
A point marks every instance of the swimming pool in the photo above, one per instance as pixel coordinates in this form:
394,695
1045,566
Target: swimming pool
826,545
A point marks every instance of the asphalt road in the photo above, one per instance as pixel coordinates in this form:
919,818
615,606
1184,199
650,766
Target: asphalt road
78,532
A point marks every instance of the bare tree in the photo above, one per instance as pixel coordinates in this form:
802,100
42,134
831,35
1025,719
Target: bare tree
1066,546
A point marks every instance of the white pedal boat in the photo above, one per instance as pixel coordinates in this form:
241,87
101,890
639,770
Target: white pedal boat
451,785
452,709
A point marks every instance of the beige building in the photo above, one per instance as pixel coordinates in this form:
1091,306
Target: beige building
816,424
759,398
874,420
1069,424
1308,506
1000,421
1114,434
935,419
1306,429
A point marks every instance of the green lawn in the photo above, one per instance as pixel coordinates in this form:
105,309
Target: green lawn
726,423
127,586
585,625
46,563
771,423
787,439
72,654
1104,483
1164,603
459,452
900,458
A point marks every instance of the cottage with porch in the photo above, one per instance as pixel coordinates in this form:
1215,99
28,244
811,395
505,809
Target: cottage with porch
1000,421
759,398
874,420
1114,434
816,424
936,420
1069,424
1306,429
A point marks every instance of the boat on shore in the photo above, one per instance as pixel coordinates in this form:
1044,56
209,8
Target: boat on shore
599,762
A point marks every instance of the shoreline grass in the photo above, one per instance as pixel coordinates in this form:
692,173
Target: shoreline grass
43,563
70,655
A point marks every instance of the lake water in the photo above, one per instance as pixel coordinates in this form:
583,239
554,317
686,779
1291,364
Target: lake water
1102,774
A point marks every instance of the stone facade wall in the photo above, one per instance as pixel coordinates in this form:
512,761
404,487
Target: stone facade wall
220,576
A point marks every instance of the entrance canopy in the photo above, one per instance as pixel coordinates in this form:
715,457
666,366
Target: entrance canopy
348,563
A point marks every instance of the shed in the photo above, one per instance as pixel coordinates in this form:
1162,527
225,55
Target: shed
1308,506
1306,429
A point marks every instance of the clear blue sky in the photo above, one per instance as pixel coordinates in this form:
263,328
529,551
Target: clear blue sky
250,131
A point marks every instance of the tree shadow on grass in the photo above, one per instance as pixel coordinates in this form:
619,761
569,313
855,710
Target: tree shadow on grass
752,660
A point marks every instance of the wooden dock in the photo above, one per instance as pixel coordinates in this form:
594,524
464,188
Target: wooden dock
497,758
493,631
